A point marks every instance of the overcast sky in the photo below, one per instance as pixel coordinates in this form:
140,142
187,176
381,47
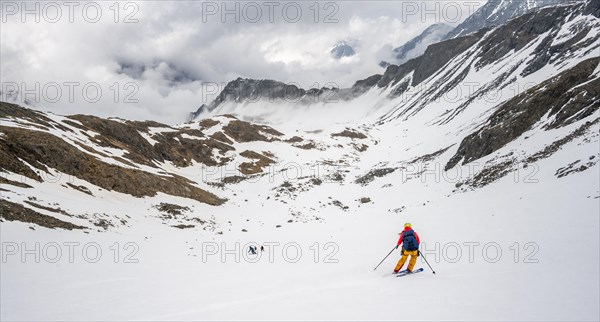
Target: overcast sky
161,60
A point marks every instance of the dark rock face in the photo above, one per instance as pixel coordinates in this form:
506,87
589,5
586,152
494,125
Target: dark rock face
9,161
521,31
493,171
260,162
252,90
219,136
121,136
243,90
575,167
171,146
592,7
242,131
181,151
395,73
16,212
547,53
181,146
375,173
42,150
568,97
172,209
13,183
350,133
364,85
233,179
83,189
438,55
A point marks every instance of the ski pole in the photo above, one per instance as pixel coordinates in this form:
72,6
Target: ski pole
421,254
385,257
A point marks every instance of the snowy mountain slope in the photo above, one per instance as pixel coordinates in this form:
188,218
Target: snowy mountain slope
172,281
84,154
498,12
461,72
491,153
416,46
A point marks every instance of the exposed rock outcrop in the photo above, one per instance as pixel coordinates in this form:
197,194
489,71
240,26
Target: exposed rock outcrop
568,97
42,150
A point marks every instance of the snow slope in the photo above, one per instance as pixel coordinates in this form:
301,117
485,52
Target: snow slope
554,278
550,277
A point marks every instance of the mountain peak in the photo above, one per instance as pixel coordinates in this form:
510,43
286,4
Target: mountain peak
342,49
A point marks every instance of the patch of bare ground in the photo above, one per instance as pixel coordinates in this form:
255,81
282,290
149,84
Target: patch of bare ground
15,212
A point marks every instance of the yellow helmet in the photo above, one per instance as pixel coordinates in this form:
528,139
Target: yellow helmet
407,225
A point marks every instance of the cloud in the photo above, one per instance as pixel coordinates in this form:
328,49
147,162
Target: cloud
160,60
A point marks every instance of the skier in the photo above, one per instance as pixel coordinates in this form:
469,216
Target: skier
252,250
410,246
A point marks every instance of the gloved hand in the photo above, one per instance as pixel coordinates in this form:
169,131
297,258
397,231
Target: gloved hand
397,246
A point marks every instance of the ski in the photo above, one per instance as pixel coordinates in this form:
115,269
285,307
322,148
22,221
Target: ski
405,272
